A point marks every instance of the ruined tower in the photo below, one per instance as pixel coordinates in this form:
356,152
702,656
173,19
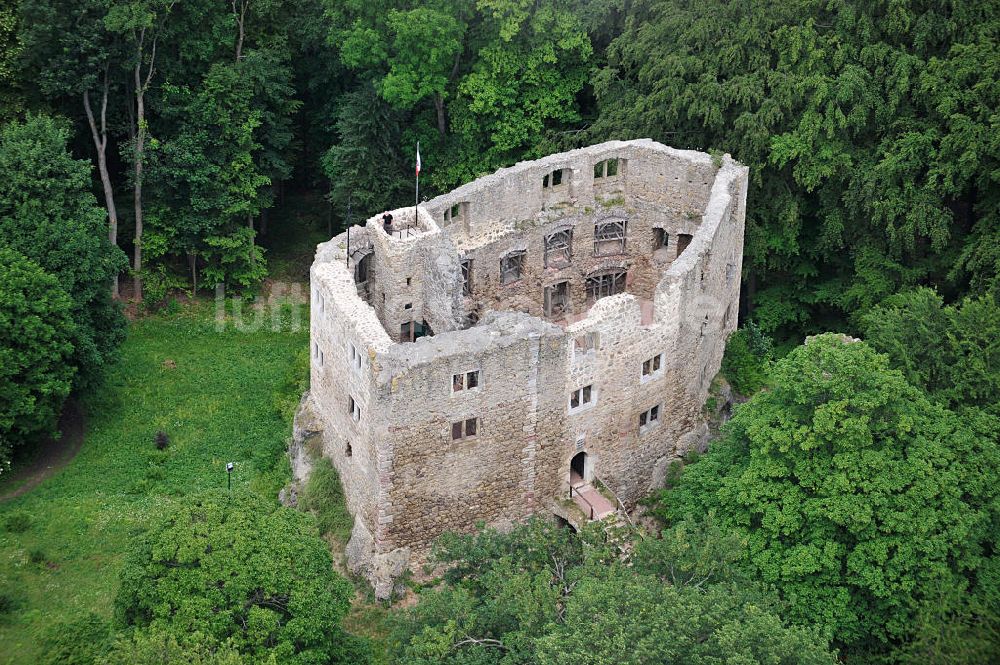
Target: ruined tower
550,328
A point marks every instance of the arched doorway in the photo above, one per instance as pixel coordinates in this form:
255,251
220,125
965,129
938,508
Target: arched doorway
578,470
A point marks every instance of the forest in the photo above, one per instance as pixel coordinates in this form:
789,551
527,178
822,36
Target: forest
153,149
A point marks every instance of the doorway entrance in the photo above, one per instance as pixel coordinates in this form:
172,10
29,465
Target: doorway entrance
578,470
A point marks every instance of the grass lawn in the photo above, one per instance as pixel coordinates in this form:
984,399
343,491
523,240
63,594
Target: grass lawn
220,396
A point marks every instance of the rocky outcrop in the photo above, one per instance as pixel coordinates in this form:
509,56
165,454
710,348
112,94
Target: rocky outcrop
307,432
382,570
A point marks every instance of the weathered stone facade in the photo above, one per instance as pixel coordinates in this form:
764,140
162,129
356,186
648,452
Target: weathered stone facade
480,420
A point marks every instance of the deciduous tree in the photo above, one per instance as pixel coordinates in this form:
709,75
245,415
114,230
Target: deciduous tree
36,332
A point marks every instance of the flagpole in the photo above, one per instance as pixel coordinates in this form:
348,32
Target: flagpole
416,198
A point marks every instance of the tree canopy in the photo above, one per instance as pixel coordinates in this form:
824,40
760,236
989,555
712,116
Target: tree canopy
239,570
543,594
48,214
857,495
36,332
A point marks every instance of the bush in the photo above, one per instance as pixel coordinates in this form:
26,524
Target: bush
161,440
79,641
8,601
748,358
18,522
324,496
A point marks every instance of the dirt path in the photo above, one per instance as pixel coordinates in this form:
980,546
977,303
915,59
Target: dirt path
52,454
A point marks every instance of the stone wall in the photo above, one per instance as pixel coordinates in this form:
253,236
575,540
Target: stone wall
407,478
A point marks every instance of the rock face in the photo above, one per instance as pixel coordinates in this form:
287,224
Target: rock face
381,569
602,284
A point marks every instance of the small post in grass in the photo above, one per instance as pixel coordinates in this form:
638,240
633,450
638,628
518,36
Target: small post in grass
229,476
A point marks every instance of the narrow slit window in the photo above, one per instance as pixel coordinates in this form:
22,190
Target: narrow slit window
467,277
354,409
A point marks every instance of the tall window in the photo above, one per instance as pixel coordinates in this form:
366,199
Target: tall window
354,409
559,249
557,300
512,267
683,240
609,237
354,356
467,277
660,239
362,269
608,284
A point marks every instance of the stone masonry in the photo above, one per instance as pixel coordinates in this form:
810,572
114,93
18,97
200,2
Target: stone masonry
568,312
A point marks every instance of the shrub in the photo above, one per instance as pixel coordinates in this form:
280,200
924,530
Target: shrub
79,641
18,522
324,496
748,358
161,440
8,601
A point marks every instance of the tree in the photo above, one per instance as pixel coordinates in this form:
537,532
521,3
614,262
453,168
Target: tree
533,61
857,496
544,594
868,129
36,329
140,22
239,570
48,214
73,55
144,647
953,351
365,167
11,99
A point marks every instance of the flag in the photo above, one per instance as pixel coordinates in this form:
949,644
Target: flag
418,158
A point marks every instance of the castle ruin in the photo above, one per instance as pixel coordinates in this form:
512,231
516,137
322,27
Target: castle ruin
538,341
